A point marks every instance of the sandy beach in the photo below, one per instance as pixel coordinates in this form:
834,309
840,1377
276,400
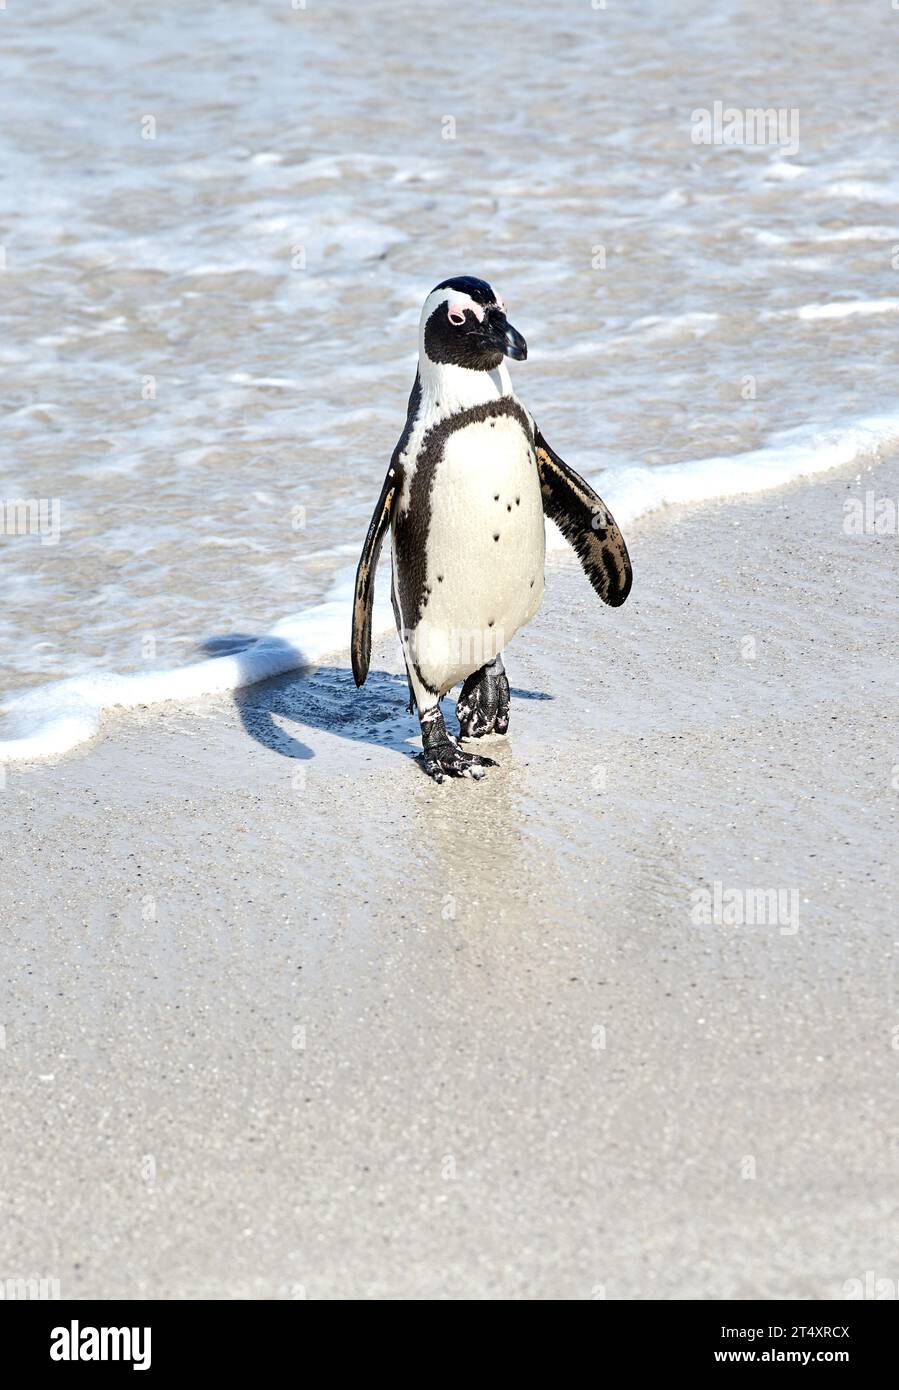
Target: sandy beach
285,1019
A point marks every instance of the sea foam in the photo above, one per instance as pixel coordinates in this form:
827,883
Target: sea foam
55,718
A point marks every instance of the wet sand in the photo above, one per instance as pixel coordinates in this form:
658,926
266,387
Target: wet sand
284,1019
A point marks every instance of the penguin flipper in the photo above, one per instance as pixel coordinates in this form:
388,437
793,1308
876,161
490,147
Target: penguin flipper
363,597
586,523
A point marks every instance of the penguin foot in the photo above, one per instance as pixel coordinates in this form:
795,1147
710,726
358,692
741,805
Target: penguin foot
449,760
441,755
483,706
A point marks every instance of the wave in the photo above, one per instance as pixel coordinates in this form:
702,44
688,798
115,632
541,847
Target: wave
55,718
843,309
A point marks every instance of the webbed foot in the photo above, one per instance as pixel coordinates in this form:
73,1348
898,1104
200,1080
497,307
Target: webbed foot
441,755
483,706
449,760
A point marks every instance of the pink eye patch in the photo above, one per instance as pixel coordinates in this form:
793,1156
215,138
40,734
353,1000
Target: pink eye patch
456,311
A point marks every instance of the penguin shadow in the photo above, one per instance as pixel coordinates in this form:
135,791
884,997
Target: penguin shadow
326,697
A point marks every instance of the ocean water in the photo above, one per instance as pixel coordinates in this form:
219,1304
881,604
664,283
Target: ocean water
219,222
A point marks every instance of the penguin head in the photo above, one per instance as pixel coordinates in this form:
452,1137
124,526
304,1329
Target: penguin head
463,324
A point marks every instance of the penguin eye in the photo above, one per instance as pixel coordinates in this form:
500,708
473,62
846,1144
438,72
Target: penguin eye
456,314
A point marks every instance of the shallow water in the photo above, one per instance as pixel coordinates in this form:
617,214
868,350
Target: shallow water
209,336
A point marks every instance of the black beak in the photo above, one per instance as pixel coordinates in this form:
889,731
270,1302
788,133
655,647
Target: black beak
504,338
514,345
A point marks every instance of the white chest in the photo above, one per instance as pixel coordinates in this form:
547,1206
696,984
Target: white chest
486,485
486,537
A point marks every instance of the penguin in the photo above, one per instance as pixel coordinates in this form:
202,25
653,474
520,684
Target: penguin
465,496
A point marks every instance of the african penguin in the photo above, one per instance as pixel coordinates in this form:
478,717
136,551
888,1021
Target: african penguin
468,486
